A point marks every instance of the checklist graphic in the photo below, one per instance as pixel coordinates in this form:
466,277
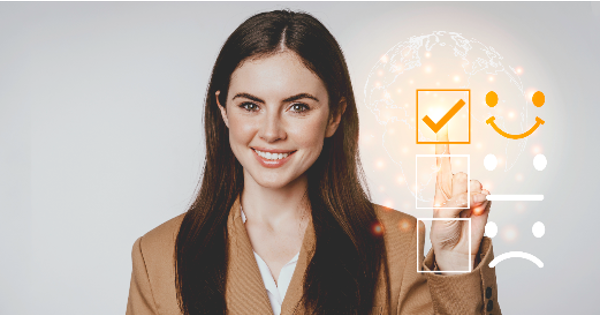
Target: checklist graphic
437,108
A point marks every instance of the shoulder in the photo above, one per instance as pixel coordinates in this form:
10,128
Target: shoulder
399,230
153,271
161,237
394,220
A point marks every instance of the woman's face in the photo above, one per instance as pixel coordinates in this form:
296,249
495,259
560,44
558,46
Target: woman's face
277,113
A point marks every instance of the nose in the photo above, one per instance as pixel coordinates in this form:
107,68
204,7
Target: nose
272,128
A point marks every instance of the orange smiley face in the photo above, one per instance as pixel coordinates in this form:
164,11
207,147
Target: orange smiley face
538,99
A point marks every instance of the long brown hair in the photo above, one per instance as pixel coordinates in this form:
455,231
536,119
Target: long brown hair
342,276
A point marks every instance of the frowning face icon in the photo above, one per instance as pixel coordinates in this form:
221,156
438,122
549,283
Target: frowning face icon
538,99
538,229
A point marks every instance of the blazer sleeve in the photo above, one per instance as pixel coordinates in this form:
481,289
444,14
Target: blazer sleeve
141,300
474,292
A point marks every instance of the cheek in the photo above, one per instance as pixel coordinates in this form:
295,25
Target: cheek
309,132
241,130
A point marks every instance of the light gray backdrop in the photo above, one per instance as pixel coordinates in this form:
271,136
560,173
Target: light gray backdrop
101,137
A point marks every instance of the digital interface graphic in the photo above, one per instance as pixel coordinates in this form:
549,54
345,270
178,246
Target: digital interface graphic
444,80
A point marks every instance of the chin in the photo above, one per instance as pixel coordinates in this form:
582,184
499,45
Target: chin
273,183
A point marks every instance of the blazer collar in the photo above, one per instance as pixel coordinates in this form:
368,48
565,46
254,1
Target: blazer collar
245,289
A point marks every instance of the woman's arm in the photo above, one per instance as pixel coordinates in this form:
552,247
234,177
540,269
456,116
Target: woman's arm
140,299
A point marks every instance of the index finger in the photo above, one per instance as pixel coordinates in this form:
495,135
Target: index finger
443,179
443,148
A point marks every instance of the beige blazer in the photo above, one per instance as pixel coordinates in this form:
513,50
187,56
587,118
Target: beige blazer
152,289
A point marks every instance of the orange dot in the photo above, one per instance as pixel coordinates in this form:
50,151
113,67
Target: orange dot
538,99
491,99
377,228
404,225
478,210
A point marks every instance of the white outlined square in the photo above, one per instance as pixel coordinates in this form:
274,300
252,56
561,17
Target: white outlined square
417,195
423,254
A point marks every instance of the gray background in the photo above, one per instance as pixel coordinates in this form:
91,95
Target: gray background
101,137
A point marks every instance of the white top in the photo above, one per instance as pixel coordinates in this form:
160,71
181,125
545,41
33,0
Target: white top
275,293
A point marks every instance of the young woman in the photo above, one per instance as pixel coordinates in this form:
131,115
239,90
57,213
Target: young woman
283,223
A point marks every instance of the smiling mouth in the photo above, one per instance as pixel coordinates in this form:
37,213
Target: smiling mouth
516,254
538,122
273,156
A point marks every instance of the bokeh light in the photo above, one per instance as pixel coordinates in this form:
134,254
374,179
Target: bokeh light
377,229
404,225
389,204
509,233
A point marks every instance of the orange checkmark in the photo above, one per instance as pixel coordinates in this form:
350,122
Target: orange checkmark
437,126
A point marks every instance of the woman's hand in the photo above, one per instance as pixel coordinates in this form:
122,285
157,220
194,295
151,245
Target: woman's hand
450,238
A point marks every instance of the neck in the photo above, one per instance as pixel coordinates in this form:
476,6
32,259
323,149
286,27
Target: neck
275,207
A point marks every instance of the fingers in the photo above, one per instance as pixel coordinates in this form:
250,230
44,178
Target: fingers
455,206
482,208
475,187
442,137
443,185
479,203
443,148
443,188
459,183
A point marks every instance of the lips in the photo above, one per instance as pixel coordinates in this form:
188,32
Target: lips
272,158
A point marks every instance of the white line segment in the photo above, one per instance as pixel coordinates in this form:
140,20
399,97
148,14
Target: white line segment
515,197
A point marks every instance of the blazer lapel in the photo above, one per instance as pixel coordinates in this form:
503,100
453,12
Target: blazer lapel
291,302
245,289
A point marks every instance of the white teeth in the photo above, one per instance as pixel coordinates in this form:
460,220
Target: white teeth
272,156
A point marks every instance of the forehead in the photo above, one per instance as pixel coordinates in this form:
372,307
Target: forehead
276,76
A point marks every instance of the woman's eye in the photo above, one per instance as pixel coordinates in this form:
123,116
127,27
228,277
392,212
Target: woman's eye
249,106
299,108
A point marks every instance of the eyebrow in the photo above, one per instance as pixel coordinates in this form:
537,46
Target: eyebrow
289,99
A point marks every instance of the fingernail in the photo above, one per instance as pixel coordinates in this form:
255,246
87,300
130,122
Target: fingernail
479,198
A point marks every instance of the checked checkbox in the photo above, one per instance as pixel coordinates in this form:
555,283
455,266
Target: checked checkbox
437,108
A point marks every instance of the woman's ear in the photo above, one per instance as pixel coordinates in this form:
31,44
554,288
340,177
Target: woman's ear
222,109
334,120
